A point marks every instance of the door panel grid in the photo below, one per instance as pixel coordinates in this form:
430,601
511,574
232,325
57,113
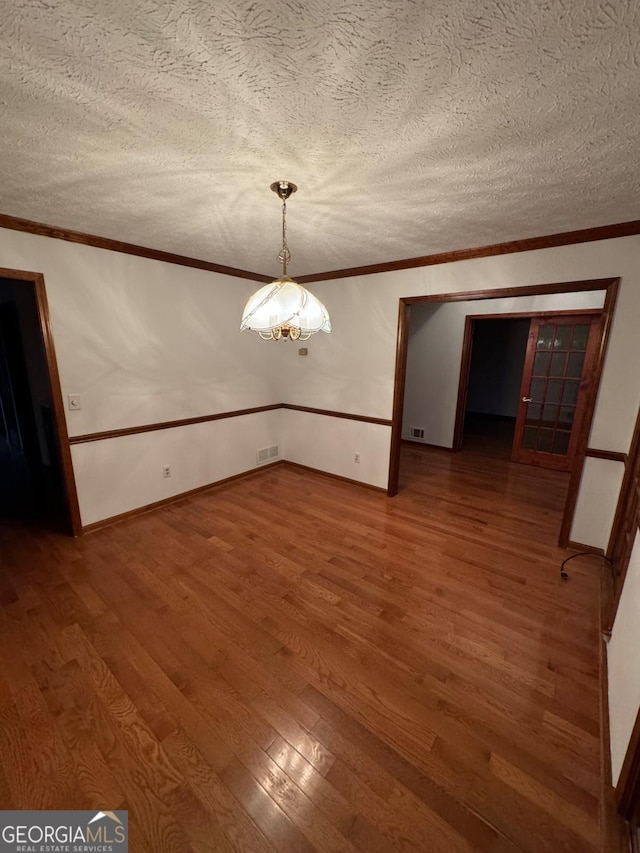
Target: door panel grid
556,378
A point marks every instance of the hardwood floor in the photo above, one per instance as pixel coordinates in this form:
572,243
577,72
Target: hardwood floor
293,663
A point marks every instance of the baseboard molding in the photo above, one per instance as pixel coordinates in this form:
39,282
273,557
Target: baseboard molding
335,476
131,513
412,443
587,549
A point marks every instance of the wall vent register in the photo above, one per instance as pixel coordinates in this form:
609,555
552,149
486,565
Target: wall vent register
267,454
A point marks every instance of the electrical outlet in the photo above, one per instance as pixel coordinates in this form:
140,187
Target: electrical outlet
166,470
356,457
74,402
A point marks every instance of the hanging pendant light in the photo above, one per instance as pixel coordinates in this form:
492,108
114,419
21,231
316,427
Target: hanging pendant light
283,308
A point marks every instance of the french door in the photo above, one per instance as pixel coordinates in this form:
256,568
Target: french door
556,381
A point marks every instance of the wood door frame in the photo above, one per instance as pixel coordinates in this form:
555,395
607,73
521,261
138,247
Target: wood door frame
467,355
36,279
559,462
609,285
627,792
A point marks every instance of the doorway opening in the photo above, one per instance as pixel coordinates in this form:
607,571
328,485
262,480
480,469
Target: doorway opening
36,477
525,382
440,391
498,347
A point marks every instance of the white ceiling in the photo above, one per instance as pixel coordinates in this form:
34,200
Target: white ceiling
411,127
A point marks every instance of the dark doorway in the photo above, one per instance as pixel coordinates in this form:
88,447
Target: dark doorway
493,393
32,485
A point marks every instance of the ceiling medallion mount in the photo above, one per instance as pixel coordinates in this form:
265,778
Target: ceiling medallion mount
283,309
283,189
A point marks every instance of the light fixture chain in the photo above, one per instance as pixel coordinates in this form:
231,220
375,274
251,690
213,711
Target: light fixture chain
285,254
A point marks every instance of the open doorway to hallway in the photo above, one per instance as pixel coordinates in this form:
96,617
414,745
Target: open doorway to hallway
32,478
493,390
430,364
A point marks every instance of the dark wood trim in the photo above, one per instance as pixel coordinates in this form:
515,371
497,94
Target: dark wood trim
620,520
14,223
62,437
332,414
425,445
135,430
467,353
399,381
507,292
463,382
611,455
521,315
322,473
628,787
567,238
584,549
131,513
557,461
550,241
585,427
609,285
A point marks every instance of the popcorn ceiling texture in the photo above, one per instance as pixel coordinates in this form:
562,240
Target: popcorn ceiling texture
411,127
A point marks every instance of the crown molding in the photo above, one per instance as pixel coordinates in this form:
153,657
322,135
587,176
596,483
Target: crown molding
566,238
14,223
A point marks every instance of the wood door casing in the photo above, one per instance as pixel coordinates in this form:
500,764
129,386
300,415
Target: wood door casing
556,381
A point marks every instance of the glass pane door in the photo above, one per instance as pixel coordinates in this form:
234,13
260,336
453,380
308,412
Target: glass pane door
555,382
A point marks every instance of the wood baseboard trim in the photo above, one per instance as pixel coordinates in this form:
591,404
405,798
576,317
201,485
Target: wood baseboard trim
412,443
132,513
335,476
140,510
14,223
586,549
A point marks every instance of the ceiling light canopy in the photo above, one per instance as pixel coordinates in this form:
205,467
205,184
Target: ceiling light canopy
283,308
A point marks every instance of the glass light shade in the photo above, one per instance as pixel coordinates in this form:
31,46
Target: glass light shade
284,309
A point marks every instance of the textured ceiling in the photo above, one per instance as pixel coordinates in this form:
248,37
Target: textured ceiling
411,127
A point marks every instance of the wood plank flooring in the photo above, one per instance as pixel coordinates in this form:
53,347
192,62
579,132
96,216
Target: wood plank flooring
293,663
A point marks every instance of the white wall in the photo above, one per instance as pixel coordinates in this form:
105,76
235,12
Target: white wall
144,341
623,660
353,369
435,352
123,473
330,444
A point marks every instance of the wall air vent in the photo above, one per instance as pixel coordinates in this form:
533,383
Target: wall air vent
266,454
416,432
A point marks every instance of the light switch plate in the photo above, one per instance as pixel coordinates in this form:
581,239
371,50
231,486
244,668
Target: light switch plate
74,402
